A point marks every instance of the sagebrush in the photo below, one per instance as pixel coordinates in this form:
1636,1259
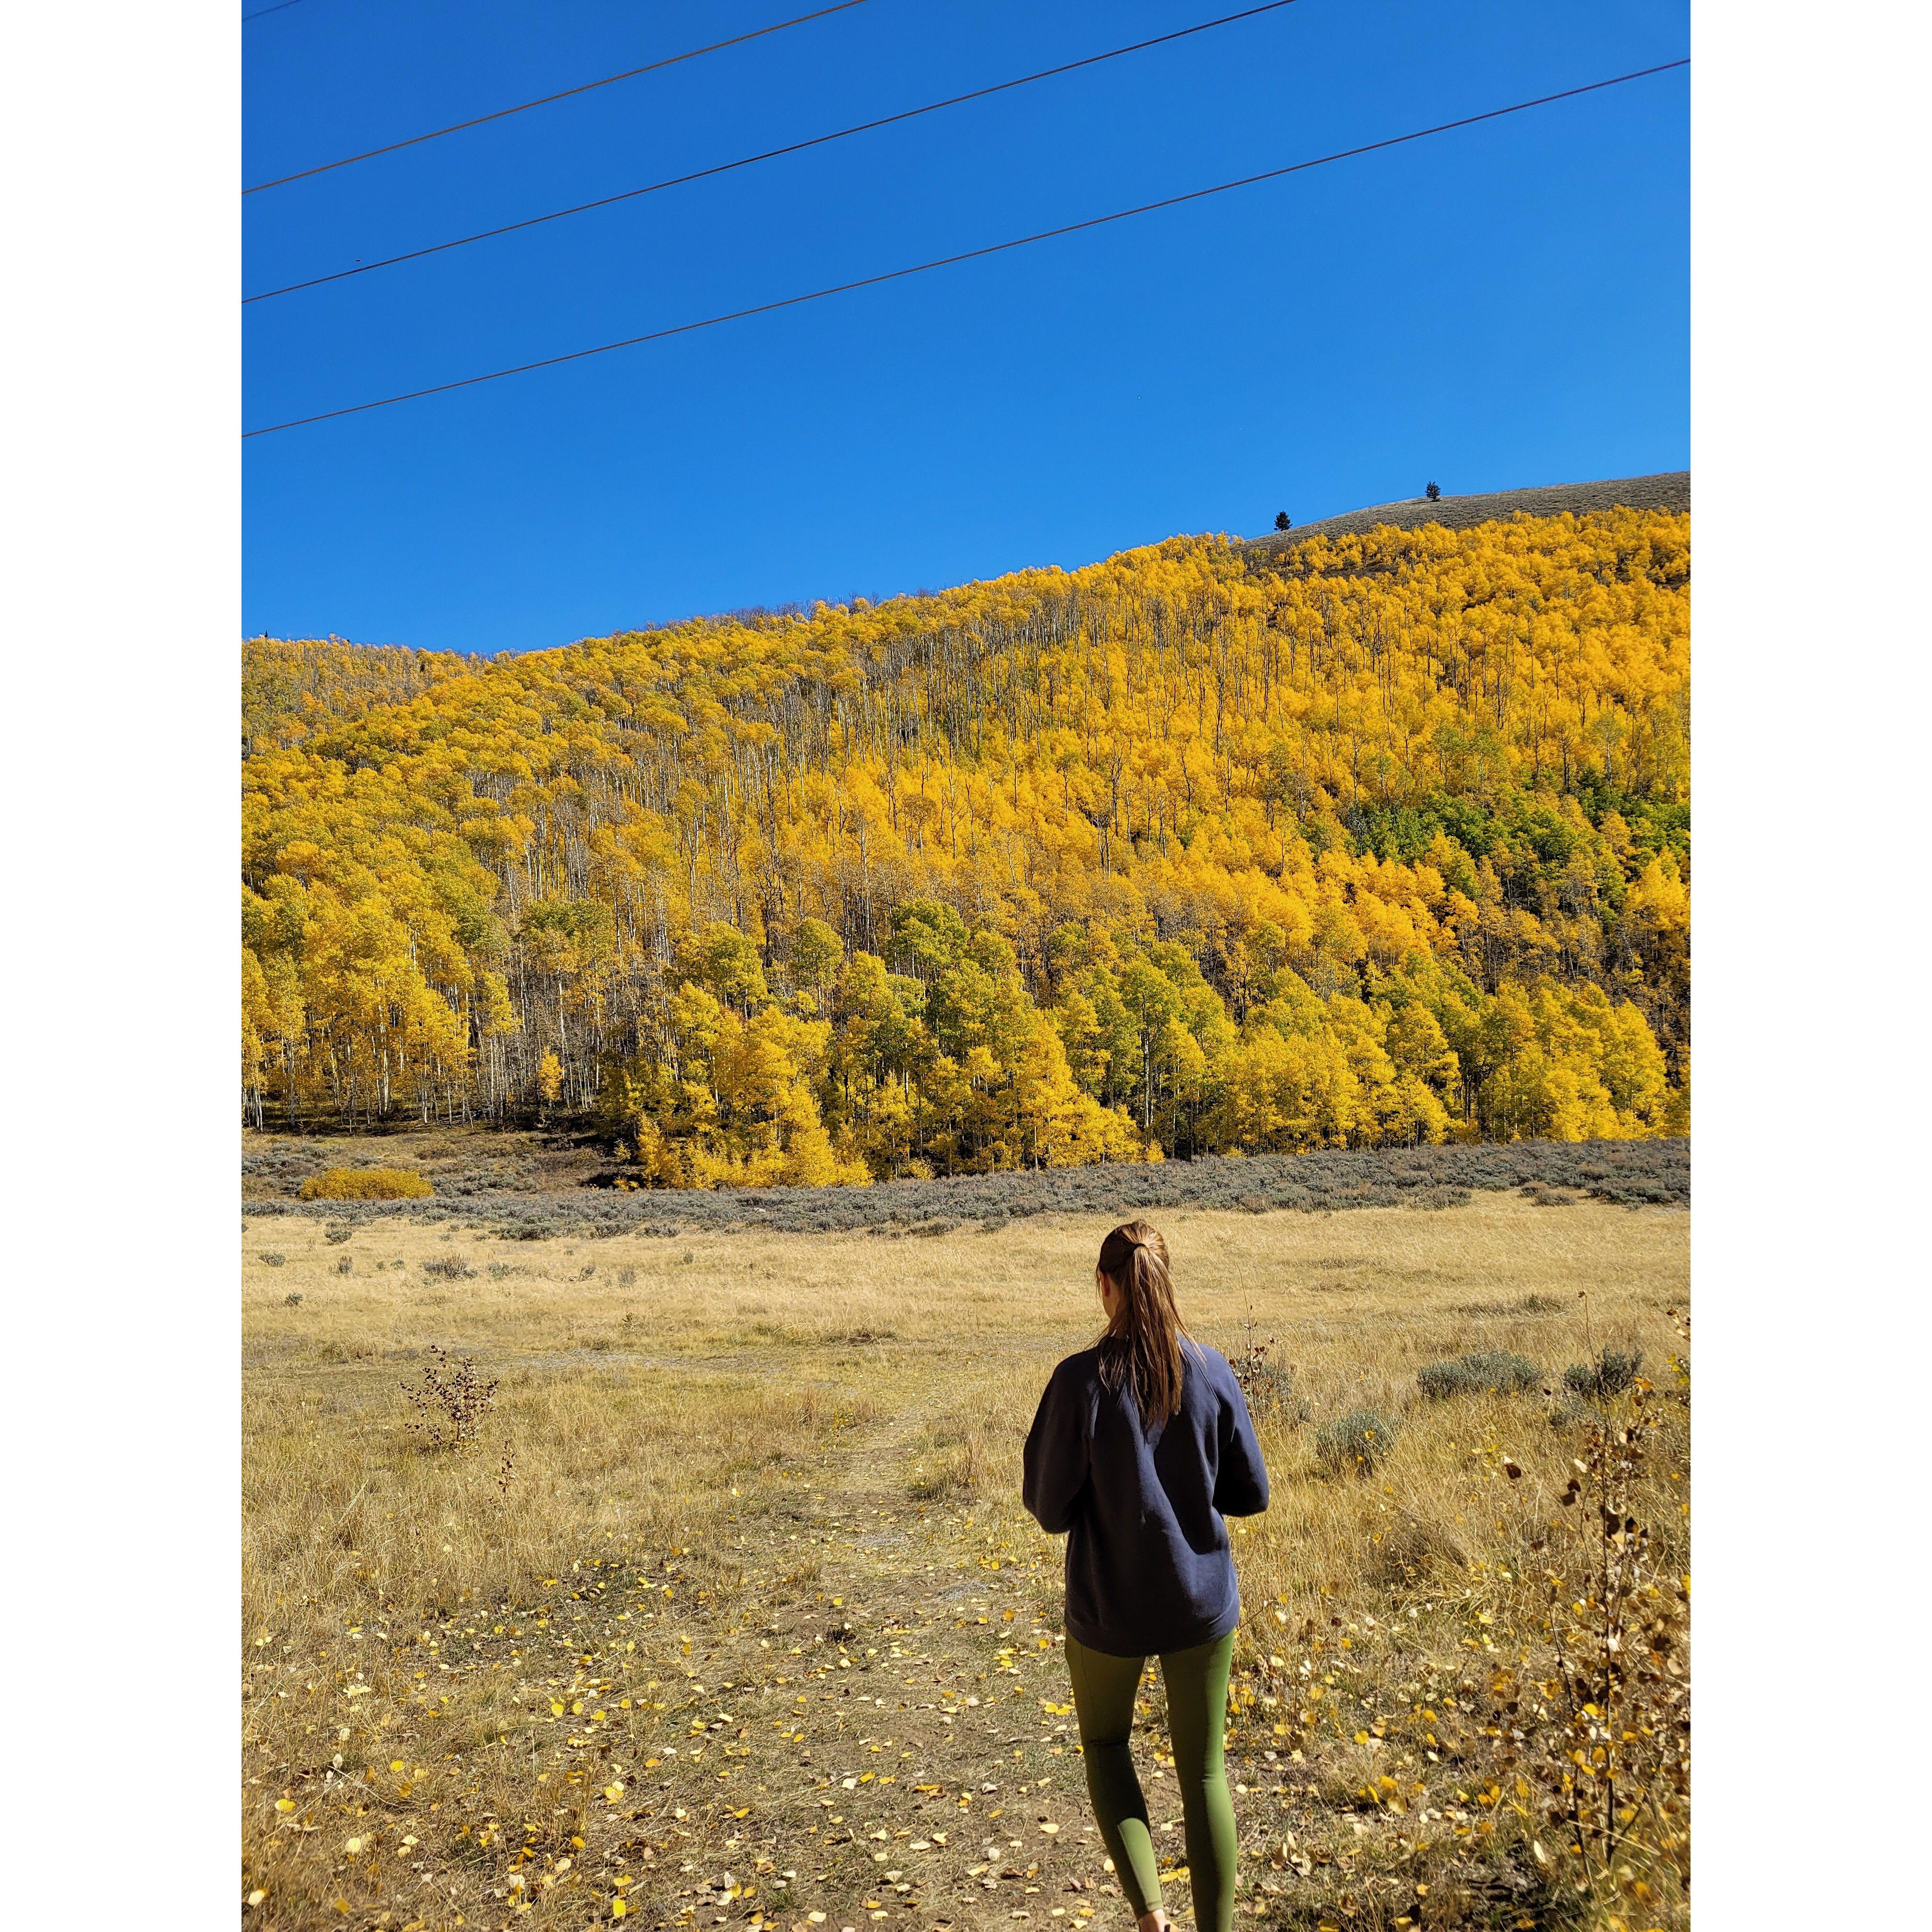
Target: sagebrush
1494,1371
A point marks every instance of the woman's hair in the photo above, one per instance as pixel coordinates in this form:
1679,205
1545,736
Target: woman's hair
1142,1347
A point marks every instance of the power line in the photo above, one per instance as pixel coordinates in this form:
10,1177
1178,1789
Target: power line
280,7
544,100
769,154
967,255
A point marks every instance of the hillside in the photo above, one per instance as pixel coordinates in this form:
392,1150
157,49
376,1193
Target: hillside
292,689
1670,490
1375,838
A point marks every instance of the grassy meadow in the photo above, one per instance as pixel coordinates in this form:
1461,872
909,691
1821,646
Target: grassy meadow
730,1615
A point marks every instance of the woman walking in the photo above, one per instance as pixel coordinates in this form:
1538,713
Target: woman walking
1141,1446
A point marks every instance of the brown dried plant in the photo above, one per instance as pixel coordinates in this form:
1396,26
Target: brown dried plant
1602,1745
1267,1382
450,1401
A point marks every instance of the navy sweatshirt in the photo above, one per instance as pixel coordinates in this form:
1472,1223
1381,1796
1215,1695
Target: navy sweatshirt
1148,1566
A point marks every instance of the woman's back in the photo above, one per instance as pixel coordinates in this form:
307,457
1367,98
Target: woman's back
1148,1566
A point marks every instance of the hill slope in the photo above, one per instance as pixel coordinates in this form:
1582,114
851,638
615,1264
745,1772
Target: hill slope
291,689
1669,490
1374,838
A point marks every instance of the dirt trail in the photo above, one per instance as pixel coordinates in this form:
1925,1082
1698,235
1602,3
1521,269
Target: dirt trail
850,1711
845,1707
914,1766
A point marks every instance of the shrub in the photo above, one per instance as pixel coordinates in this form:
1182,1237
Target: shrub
292,1300
1610,1374
1601,1746
345,1265
336,1233
627,1277
1545,1196
1496,1371
1634,1194
448,1268
450,1402
273,1260
365,1183
1267,1385
1635,1173
1357,1442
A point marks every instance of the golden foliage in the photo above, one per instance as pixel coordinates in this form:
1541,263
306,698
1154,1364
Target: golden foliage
1375,839
290,689
365,1183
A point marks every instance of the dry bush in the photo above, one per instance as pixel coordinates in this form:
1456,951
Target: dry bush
1490,1371
1357,1443
1609,1373
1602,1743
450,1400
1267,1382
365,1183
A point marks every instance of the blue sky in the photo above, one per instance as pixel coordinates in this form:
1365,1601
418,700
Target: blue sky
1501,306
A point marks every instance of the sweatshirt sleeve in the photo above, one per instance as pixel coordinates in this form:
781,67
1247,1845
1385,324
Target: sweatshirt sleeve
1240,1480
1056,1462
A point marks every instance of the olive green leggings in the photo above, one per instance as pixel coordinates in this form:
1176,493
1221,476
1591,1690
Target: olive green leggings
1197,1714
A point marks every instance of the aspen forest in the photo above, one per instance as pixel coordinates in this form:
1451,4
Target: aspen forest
1373,840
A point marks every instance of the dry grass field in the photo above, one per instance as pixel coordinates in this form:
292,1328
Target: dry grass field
731,1616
